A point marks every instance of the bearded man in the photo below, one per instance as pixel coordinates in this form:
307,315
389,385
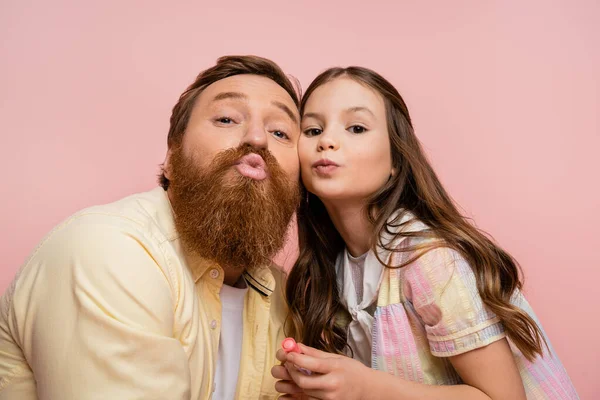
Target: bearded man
170,294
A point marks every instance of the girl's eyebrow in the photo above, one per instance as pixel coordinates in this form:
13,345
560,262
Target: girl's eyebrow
358,109
346,111
313,115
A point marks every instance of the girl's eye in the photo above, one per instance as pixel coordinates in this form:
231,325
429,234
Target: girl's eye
357,129
313,132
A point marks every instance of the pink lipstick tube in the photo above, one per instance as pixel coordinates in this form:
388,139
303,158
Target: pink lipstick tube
289,345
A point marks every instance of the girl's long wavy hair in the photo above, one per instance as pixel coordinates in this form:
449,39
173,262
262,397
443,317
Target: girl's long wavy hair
312,291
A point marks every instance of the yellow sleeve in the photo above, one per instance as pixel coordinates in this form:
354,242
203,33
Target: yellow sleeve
93,312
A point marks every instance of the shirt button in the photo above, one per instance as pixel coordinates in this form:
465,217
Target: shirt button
213,324
214,273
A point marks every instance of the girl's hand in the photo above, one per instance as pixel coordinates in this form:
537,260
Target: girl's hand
339,377
333,376
285,384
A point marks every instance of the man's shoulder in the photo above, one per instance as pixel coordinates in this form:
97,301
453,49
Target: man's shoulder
132,224
106,247
145,209
145,214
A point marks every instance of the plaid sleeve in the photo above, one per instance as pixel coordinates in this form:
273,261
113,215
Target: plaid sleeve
442,289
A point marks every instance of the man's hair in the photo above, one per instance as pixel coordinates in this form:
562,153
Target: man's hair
226,66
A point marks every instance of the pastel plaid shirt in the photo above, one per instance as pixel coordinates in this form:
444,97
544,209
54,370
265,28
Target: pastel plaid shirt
431,310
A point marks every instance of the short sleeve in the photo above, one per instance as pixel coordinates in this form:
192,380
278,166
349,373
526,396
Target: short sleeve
94,313
442,289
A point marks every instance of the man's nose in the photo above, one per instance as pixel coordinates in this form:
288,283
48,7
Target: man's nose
256,136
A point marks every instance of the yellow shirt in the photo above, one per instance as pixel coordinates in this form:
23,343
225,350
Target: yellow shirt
107,307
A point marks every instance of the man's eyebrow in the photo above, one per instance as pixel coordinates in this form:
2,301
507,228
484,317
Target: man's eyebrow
242,96
286,109
359,108
230,95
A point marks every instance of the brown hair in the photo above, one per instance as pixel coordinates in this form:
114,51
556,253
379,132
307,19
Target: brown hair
226,66
312,291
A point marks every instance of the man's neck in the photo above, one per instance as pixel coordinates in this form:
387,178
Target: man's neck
233,277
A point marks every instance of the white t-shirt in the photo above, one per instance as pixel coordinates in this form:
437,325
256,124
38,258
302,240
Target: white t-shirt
230,342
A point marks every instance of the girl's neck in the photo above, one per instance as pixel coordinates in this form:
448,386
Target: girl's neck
350,220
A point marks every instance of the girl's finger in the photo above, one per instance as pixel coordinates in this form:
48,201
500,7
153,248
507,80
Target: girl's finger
311,351
287,387
314,364
280,372
281,355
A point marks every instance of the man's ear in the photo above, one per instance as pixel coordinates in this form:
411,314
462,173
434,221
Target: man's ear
167,164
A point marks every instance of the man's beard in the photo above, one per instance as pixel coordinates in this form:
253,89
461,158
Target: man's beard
226,217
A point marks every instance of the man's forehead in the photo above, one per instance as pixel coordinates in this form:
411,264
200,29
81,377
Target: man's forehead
247,87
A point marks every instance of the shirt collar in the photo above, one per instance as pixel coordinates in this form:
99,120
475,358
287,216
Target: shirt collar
259,278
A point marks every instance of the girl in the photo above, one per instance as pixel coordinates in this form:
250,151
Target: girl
390,273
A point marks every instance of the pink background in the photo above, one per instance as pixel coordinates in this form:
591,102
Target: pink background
504,94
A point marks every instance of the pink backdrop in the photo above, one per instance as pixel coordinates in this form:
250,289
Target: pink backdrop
504,95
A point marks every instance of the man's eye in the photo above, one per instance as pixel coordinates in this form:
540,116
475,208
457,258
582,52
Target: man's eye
224,120
313,132
357,129
280,135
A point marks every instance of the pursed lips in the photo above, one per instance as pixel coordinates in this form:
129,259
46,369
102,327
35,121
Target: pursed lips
252,166
325,166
